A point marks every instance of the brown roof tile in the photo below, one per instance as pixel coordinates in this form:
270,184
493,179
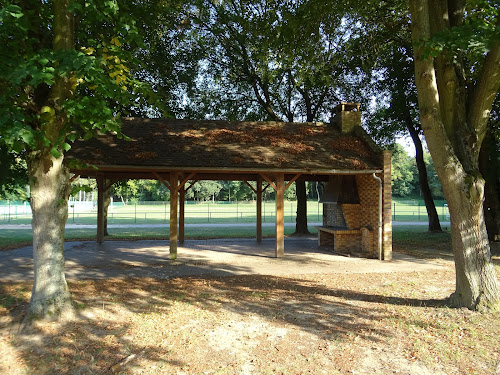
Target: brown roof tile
170,143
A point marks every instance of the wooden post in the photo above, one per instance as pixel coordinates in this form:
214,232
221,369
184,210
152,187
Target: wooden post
387,205
173,214
259,210
182,197
100,208
280,215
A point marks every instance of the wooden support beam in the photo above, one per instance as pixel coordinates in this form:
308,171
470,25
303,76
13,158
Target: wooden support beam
263,190
173,214
292,180
191,185
74,177
259,210
280,215
268,180
160,178
251,187
182,198
100,208
189,177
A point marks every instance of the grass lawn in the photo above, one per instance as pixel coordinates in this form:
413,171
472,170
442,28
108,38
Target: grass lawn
406,239
10,238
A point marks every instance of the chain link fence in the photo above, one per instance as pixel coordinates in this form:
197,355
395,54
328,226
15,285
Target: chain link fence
85,212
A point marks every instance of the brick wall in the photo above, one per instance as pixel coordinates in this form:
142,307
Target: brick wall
347,121
365,214
344,241
348,241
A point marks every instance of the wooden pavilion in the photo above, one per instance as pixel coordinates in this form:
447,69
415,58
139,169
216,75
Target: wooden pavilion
178,152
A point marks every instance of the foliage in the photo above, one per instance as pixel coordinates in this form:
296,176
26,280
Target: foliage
13,176
434,184
277,60
98,68
475,36
204,190
403,171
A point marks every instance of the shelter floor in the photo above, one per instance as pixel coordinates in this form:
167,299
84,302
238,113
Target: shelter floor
150,258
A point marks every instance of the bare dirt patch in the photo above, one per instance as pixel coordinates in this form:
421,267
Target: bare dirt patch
380,323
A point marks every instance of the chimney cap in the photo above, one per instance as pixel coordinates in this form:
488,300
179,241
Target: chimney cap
344,106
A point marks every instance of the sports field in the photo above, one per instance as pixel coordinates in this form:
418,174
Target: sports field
203,212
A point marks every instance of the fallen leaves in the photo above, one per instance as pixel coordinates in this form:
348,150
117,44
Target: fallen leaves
272,324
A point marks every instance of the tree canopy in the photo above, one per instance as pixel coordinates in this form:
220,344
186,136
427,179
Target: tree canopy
65,73
71,69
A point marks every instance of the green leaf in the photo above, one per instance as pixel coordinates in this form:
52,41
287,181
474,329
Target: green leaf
55,152
26,136
14,11
43,61
72,136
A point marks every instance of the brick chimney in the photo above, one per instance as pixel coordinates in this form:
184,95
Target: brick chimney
346,116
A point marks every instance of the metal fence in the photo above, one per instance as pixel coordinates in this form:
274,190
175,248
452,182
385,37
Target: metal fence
85,212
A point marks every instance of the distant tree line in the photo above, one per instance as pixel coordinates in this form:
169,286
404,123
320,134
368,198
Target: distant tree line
133,191
405,182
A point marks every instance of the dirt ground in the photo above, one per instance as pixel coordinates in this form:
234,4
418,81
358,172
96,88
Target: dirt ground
248,313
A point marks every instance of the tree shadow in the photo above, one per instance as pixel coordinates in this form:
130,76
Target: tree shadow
113,318
92,343
113,324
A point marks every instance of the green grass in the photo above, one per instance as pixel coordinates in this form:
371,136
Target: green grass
414,240
418,241
11,238
414,210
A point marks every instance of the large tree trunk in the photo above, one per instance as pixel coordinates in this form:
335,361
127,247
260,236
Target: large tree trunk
301,219
454,130
423,181
476,281
50,190
489,166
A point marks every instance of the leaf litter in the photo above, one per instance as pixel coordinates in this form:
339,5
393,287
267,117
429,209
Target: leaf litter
300,324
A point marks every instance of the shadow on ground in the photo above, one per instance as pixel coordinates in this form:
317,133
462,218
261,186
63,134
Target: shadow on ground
145,319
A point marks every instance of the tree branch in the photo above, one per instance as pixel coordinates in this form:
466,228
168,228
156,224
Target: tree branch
426,83
485,91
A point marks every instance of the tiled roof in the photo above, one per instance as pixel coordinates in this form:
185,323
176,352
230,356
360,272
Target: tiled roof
238,146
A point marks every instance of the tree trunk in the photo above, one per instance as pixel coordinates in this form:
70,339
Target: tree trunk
423,181
50,190
301,219
476,282
107,202
456,160
488,165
